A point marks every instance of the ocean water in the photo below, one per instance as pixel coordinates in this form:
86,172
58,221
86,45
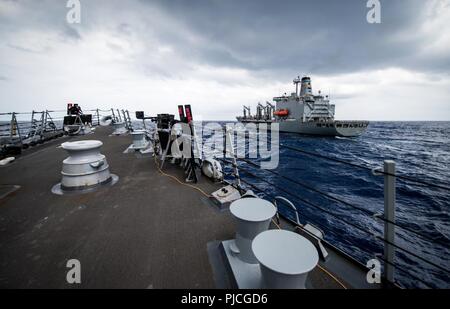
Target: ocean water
421,151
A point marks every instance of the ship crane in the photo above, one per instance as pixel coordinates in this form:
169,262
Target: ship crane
260,109
270,109
247,109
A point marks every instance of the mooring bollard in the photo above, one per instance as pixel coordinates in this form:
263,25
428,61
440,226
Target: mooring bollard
120,128
253,216
139,140
85,168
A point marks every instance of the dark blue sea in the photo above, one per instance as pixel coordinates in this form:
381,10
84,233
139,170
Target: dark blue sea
421,151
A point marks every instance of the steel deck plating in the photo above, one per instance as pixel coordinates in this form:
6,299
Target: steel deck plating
147,231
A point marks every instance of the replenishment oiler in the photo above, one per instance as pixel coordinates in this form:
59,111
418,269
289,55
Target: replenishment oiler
303,113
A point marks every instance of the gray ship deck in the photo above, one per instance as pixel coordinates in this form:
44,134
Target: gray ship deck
147,231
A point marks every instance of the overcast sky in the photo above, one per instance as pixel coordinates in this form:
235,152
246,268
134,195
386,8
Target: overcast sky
220,54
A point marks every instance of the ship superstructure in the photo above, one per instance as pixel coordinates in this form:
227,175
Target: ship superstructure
305,113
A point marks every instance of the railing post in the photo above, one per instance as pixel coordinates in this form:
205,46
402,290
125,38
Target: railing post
45,120
229,149
389,215
125,119
41,132
118,114
129,120
12,129
98,118
18,129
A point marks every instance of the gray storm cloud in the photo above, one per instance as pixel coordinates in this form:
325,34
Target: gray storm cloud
230,51
326,37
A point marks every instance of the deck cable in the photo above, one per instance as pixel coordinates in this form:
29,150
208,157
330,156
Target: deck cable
440,186
414,255
180,182
428,285
343,220
310,188
306,201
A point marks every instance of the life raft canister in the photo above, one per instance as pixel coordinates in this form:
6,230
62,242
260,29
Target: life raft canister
281,112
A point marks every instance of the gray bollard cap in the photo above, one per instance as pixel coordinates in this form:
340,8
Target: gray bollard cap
285,252
253,209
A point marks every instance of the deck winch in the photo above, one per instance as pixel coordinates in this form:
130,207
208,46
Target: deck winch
262,258
120,128
85,168
142,143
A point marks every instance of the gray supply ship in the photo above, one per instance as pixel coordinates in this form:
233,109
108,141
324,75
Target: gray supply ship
304,113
